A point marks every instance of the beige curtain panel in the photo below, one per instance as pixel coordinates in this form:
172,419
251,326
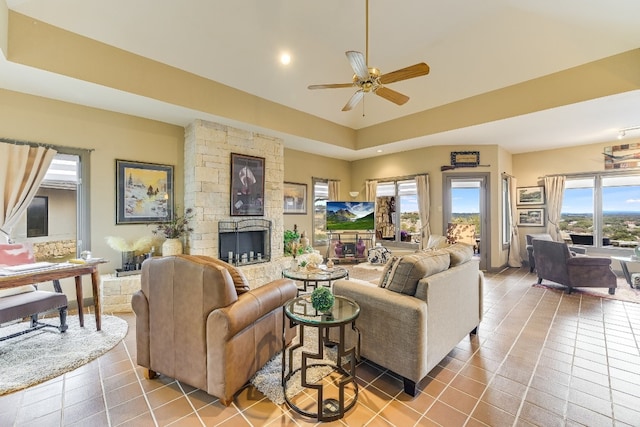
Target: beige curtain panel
515,260
370,191
554,187
22,169
424,207
334,190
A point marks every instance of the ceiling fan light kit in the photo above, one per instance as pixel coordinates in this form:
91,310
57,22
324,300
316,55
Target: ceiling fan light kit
369,80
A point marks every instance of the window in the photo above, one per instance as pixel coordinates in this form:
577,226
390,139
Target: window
320,197
603,206
38,217
401,221
66,208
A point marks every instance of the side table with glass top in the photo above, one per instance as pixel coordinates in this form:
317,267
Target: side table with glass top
624,265
313,277
331,404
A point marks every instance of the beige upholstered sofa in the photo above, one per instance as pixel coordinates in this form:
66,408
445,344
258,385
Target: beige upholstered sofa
198,321
430,301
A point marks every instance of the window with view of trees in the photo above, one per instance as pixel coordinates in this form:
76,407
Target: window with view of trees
405,220
320,197
605,206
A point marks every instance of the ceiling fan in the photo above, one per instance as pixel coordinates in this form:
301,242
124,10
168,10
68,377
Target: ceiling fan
368,79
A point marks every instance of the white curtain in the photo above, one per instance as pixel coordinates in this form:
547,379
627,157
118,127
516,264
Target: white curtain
515,260
424,206
554,187
22,169
334,190
370,188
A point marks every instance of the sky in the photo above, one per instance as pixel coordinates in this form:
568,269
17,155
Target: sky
616,199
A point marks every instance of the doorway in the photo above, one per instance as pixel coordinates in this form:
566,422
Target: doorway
465,202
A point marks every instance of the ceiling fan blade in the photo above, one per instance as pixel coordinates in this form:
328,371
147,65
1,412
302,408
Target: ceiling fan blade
392,95
353,101
330,86
416,70
358,63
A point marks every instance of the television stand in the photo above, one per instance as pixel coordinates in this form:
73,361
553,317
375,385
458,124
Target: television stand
349,246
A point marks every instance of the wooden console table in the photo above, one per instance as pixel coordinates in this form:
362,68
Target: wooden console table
62,271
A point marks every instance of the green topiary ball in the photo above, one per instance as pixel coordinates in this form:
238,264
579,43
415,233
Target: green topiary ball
322,299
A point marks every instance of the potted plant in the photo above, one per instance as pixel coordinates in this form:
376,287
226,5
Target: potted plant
173,231
322,299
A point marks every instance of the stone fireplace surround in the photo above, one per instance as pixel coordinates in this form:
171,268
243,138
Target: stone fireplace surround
207,180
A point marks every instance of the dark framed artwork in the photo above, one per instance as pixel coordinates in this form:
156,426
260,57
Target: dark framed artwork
531,217
247,185
295,198
144,192
530,195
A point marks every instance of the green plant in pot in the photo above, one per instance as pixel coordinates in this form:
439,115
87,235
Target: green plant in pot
322,299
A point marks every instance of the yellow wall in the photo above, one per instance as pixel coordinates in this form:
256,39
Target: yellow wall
111,136
301,167
429,160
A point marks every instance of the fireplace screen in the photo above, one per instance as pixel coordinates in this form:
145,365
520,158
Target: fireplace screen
245,241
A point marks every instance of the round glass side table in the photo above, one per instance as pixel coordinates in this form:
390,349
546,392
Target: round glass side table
330,406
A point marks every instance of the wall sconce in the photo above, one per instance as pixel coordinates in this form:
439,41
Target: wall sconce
354,194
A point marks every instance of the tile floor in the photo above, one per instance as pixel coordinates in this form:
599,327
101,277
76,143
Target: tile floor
541,358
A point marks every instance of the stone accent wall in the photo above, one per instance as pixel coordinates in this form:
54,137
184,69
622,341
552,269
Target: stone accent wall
116,292
207,165
54,249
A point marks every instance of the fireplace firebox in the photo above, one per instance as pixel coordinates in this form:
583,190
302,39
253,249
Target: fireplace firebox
246,241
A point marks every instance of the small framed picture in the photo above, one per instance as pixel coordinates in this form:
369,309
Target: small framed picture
531,217
295,198
530,195
144,192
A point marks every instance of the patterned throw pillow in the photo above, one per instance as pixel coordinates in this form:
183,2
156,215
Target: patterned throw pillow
386,272
378,255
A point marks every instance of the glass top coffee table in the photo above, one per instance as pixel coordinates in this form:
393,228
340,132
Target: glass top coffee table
624,261
315,276
332,398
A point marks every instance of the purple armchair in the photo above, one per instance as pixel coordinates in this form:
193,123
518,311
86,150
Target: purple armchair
555,262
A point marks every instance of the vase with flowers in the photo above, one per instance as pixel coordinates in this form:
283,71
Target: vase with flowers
173,231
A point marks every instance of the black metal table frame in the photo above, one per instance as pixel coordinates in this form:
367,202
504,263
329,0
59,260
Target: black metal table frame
329,409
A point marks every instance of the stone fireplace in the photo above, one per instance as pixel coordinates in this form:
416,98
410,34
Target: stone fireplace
207,165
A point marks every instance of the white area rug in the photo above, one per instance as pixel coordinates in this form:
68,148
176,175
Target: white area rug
268,380
369,266
46,353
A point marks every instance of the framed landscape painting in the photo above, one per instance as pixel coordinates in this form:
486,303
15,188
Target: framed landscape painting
531,217
144,192
530,195
295,198
247,185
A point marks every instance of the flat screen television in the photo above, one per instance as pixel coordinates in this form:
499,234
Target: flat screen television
345,216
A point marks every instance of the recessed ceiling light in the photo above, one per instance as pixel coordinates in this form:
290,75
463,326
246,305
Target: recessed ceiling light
378,151
285,58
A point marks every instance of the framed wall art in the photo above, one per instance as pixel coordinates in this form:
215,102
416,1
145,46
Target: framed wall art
531,217
530,195
247,185
295,198
144,192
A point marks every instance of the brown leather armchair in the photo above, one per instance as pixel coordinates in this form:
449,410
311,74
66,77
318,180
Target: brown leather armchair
555,262
197,321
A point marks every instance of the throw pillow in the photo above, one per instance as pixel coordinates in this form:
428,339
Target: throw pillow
459,253
409,269
239,280
437,242
378,255
386,272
